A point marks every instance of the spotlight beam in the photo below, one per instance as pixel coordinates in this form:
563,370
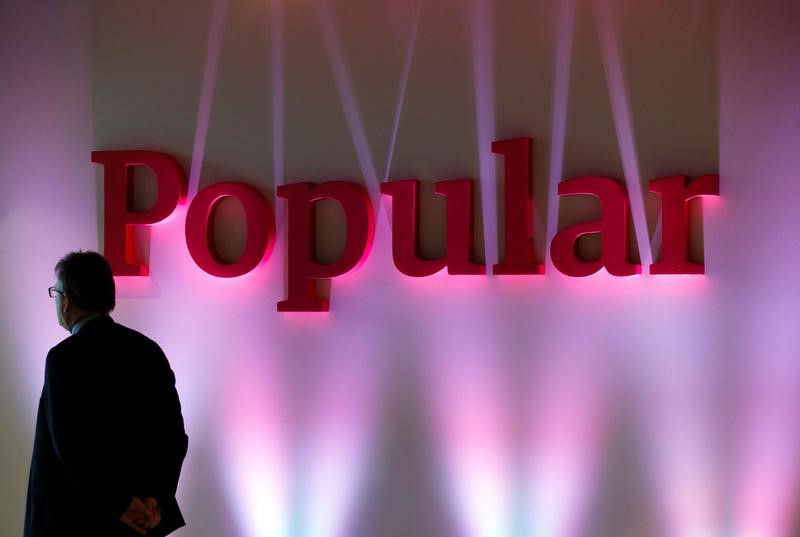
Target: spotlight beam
344,86
620,108
219,9
479,21
563,64
409,56
277,41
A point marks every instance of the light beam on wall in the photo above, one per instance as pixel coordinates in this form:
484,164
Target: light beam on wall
216,31
278,82
466,396
620,109
337,442
480,19
253,437
569,417
674,376
407,59
326,22
563,65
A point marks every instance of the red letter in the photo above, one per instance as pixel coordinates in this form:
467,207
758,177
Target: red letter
518,234
459,228
675,196
260,229
119,222
302,270
405,232
613,225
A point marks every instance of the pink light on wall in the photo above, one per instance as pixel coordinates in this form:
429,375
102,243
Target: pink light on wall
47,200
338,417
290,404
676,387
466,395
766,456
759,135
253,438
569,398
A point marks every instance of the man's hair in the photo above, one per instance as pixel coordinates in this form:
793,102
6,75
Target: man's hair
88,281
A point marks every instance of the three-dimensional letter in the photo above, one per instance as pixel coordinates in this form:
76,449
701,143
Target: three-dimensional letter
459,228
303,271
260,229
518,201
119,220
613,224
675,195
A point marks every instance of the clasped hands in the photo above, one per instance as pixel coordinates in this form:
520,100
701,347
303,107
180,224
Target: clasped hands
142,515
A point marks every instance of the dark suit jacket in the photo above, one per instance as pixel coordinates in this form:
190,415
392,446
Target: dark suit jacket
109,428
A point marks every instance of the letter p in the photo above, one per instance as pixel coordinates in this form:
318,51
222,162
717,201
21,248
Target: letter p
119,221
303,271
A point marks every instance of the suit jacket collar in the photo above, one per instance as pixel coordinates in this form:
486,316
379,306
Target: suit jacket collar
93,321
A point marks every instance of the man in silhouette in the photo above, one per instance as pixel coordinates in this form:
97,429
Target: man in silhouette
109,440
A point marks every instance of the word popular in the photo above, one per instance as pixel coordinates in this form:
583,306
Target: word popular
303,269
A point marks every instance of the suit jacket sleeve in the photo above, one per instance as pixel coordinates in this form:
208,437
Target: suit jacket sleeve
162,446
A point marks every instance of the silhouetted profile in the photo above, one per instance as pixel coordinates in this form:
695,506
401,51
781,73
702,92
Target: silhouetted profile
109,440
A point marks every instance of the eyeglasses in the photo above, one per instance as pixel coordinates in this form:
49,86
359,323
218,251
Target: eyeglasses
53,292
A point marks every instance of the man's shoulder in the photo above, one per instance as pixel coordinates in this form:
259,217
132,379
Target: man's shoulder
128,332
103,334
65,347
60,358
106,327
136,339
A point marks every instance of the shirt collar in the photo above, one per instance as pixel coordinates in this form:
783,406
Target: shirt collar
80,324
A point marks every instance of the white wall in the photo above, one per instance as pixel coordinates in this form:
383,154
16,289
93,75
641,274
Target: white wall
447,406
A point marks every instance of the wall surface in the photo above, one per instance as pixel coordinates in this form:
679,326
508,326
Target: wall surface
446,406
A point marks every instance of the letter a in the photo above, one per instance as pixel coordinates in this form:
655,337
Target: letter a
613,225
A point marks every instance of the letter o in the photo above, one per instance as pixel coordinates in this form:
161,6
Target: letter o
260,221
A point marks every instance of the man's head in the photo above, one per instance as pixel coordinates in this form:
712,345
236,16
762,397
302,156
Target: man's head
84,286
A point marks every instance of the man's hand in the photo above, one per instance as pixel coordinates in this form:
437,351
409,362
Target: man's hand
142,515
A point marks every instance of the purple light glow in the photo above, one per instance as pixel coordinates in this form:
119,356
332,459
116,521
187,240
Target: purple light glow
337,421
759,133
254,451
521,373
336,59
675,379
569,406
479,18
466,397
47,194
277,52
215,34
563,64
617,91
408,57
767,460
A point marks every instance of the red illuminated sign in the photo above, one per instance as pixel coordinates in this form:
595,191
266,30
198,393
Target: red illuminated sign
303,271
